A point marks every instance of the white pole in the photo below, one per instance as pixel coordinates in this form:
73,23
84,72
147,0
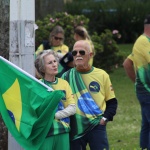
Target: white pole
21,41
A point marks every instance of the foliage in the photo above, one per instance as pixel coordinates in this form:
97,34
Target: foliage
125,49
107,50
105,44
3,135
67,21
123,15
4,52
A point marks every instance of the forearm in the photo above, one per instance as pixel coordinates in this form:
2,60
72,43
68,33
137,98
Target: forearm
130,73
128,66
68,111
111,107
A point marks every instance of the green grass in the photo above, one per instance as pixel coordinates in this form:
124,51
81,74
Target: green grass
125,49
123,131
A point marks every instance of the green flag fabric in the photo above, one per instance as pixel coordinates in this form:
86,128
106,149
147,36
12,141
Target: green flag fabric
27,105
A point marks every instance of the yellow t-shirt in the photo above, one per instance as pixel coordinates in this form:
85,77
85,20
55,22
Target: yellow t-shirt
91,92
141,59
62,49
141,52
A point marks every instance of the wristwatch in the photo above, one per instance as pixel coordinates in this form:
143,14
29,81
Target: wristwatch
105,119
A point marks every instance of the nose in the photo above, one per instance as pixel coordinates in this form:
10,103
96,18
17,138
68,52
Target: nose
78,54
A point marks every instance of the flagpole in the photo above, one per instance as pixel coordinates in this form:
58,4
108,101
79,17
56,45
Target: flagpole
21,41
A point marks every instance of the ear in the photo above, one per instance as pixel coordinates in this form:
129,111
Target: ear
91,54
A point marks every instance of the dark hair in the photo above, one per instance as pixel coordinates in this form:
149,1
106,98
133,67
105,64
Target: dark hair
147,19
82,32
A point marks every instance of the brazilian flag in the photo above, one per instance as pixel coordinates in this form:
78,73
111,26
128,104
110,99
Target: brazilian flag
27,105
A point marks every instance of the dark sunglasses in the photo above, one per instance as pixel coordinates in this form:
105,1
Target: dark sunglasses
81,52
58,38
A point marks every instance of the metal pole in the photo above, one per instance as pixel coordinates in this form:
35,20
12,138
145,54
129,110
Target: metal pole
22,42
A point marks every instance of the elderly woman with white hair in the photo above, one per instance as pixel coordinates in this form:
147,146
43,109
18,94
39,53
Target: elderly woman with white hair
57,138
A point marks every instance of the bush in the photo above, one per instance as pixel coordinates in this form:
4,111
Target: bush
107,50
3,135
67,21
105,44
111,14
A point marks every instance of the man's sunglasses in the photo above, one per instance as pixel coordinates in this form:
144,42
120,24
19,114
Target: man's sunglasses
81,52
58,38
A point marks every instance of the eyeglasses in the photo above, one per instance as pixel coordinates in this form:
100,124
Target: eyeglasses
81,52
58,38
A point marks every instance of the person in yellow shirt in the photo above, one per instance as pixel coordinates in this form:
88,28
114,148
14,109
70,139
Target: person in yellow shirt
137,67
57,137
94,98
80,33
56,42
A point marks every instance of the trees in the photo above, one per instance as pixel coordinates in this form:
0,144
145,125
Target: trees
4,51
4,28
123,15
44,7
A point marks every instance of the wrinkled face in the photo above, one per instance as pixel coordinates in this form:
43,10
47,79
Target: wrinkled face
51,65
57,39
81,55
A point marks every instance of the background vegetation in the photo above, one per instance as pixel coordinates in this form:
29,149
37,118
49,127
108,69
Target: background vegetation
105,43
123,133
4,51
124,15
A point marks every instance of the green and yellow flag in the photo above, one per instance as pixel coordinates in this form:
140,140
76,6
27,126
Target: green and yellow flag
27,105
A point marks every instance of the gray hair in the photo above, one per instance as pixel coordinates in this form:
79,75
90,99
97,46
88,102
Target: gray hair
39,61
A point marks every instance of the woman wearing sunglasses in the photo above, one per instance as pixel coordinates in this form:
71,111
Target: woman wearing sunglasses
56,42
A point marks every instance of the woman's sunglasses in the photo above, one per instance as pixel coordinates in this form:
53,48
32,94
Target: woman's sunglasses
58,38
81,52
